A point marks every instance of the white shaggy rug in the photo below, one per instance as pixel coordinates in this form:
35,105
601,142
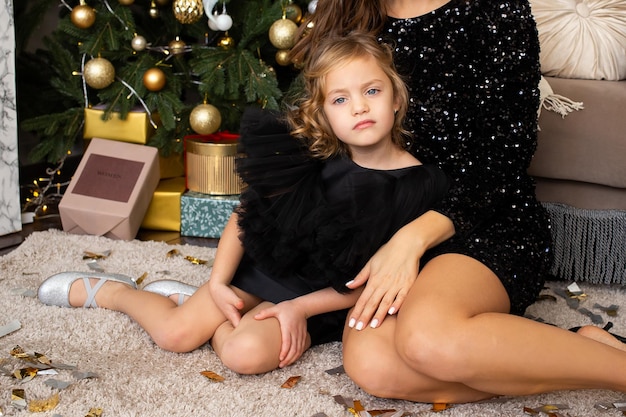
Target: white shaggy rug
119,370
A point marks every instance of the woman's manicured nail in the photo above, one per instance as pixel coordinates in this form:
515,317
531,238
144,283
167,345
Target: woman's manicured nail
374,324
351,323
359,325
392,310
349,282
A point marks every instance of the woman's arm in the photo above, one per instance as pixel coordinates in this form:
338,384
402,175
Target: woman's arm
391,272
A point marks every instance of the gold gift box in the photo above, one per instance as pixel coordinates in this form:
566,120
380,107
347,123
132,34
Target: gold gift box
210,164
171,166
164,209
136,128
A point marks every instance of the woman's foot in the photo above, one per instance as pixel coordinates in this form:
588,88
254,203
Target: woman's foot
601,335
79,289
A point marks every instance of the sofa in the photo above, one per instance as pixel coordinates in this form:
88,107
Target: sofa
580,170
580,162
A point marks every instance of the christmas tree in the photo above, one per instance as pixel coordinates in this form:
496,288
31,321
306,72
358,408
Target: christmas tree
191,65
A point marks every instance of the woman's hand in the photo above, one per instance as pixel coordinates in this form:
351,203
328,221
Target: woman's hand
389,275
293,330
227,301
393,269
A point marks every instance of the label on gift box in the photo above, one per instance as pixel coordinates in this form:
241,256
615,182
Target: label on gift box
108,178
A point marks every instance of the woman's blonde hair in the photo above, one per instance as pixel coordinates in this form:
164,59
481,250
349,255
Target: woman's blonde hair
307,116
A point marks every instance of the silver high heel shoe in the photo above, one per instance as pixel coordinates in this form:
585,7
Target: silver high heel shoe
55,290
168,287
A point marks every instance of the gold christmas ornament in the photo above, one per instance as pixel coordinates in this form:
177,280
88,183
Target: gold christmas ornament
154,79
99,73
188,11
83,16
205,119
293,12
125,2
283,33
139,43
282,57
177,46
226,42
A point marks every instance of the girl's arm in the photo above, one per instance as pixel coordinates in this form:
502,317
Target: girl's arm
229,253
393,269
326,300
227,259
292,317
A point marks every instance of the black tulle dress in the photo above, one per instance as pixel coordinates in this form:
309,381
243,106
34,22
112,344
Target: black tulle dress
473,71
309,224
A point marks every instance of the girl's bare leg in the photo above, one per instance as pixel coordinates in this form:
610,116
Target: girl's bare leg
172,327
253,347
454,328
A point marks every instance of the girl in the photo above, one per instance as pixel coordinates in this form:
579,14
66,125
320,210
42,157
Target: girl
314,211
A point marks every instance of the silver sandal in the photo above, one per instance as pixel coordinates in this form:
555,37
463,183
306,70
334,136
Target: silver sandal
55,290
168,287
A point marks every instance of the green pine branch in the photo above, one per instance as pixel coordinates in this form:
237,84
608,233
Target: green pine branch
231,79
58,132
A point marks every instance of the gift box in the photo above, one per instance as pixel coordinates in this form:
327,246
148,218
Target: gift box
138,126
111,189
210,164
204,215
164,210
172,166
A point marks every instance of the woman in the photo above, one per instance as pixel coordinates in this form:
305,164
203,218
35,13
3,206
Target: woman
443,299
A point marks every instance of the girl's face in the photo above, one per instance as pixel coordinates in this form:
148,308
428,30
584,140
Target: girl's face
359,104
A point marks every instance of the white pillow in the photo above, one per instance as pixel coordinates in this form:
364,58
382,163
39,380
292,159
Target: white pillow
582,38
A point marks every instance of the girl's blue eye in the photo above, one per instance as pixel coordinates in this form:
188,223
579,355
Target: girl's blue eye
339,100
372,91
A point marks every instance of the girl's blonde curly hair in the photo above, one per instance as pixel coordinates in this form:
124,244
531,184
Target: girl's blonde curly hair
306,114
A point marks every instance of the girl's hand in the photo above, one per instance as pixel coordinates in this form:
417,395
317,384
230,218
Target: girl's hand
389,274
227,301
293,330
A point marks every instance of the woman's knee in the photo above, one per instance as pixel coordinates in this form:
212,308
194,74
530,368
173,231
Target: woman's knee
368,366
382,373
433,352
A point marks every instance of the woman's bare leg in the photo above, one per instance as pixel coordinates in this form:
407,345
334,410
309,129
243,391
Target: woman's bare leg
370,358
454,327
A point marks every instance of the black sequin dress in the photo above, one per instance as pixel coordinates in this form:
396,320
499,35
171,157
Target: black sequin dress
473,71
309,224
